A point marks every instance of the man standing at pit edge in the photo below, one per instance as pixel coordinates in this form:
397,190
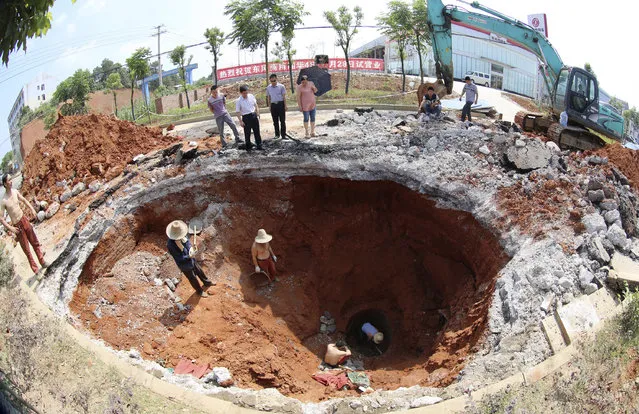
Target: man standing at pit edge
276,100
20,226
470,89
249,115
217,105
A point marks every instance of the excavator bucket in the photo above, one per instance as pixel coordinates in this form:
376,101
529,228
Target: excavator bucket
440,89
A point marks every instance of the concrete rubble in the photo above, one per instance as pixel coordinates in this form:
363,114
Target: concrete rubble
457,166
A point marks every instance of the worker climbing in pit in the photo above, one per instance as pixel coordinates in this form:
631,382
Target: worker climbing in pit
263,257
337,353
372,333
183,253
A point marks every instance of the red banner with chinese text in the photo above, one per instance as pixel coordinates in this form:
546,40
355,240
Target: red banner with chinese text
334,64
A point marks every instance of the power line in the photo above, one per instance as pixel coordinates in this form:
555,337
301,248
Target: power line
56,55
29,57
56,58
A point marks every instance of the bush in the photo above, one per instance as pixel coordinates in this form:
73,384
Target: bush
629,322
6,267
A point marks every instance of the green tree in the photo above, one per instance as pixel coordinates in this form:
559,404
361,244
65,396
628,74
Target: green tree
421,32
26,115
102,72
178,57
616,103
631,116
138,68
22,20
255,20
113,83
7,162
345,24
397,25
290,19
74,93
216,39
285,50
588,69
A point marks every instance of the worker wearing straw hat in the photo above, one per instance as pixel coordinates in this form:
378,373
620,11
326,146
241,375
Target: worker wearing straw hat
263,257
180,248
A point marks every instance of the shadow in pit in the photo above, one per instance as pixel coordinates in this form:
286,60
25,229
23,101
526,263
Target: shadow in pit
173,316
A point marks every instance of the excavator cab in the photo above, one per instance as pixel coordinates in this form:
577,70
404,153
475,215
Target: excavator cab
577,93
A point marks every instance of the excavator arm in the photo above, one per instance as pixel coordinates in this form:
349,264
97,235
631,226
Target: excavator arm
440,19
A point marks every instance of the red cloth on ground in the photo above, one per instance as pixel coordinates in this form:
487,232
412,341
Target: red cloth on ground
187,367
336,380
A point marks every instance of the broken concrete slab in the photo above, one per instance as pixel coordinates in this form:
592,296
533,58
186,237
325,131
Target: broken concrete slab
577,318
533,156
625,270
553,333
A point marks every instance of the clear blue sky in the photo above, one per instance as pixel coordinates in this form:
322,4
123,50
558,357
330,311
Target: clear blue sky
88,31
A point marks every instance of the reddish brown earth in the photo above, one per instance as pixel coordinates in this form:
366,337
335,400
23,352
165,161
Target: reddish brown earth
343,246
625,159
75,144
548,205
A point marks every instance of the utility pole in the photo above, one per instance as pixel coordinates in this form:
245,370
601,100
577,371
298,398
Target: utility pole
159,32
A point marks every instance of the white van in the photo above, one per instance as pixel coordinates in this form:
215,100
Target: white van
479,78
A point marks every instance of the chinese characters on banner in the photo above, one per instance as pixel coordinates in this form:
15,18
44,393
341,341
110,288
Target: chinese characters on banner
334,64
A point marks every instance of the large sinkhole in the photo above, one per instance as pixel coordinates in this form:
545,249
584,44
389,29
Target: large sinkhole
362,250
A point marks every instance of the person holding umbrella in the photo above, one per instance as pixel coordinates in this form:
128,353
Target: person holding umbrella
306,102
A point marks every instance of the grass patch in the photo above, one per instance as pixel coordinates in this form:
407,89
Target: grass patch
55,375
603,377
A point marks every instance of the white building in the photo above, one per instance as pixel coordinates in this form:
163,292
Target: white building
510,67
33,94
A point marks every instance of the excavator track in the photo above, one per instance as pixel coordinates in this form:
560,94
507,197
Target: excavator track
574,137
533,122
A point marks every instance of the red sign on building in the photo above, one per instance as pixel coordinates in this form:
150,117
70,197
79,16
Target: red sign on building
334,64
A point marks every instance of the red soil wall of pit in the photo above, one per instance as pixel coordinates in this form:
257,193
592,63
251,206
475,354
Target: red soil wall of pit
344,246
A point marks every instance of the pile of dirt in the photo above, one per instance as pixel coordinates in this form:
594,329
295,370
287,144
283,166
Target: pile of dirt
625,159
85,148
345,247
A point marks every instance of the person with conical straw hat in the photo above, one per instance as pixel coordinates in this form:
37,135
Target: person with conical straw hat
182,251
263,257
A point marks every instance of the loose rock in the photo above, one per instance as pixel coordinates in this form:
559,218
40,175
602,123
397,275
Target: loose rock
612,216
65,196
596,196
617,236
53,208
78,188
533,156
594,223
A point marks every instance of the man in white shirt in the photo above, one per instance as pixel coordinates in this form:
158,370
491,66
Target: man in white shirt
248,114
276,100
20,226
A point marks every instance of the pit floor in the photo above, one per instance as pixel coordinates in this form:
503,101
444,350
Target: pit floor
268,335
